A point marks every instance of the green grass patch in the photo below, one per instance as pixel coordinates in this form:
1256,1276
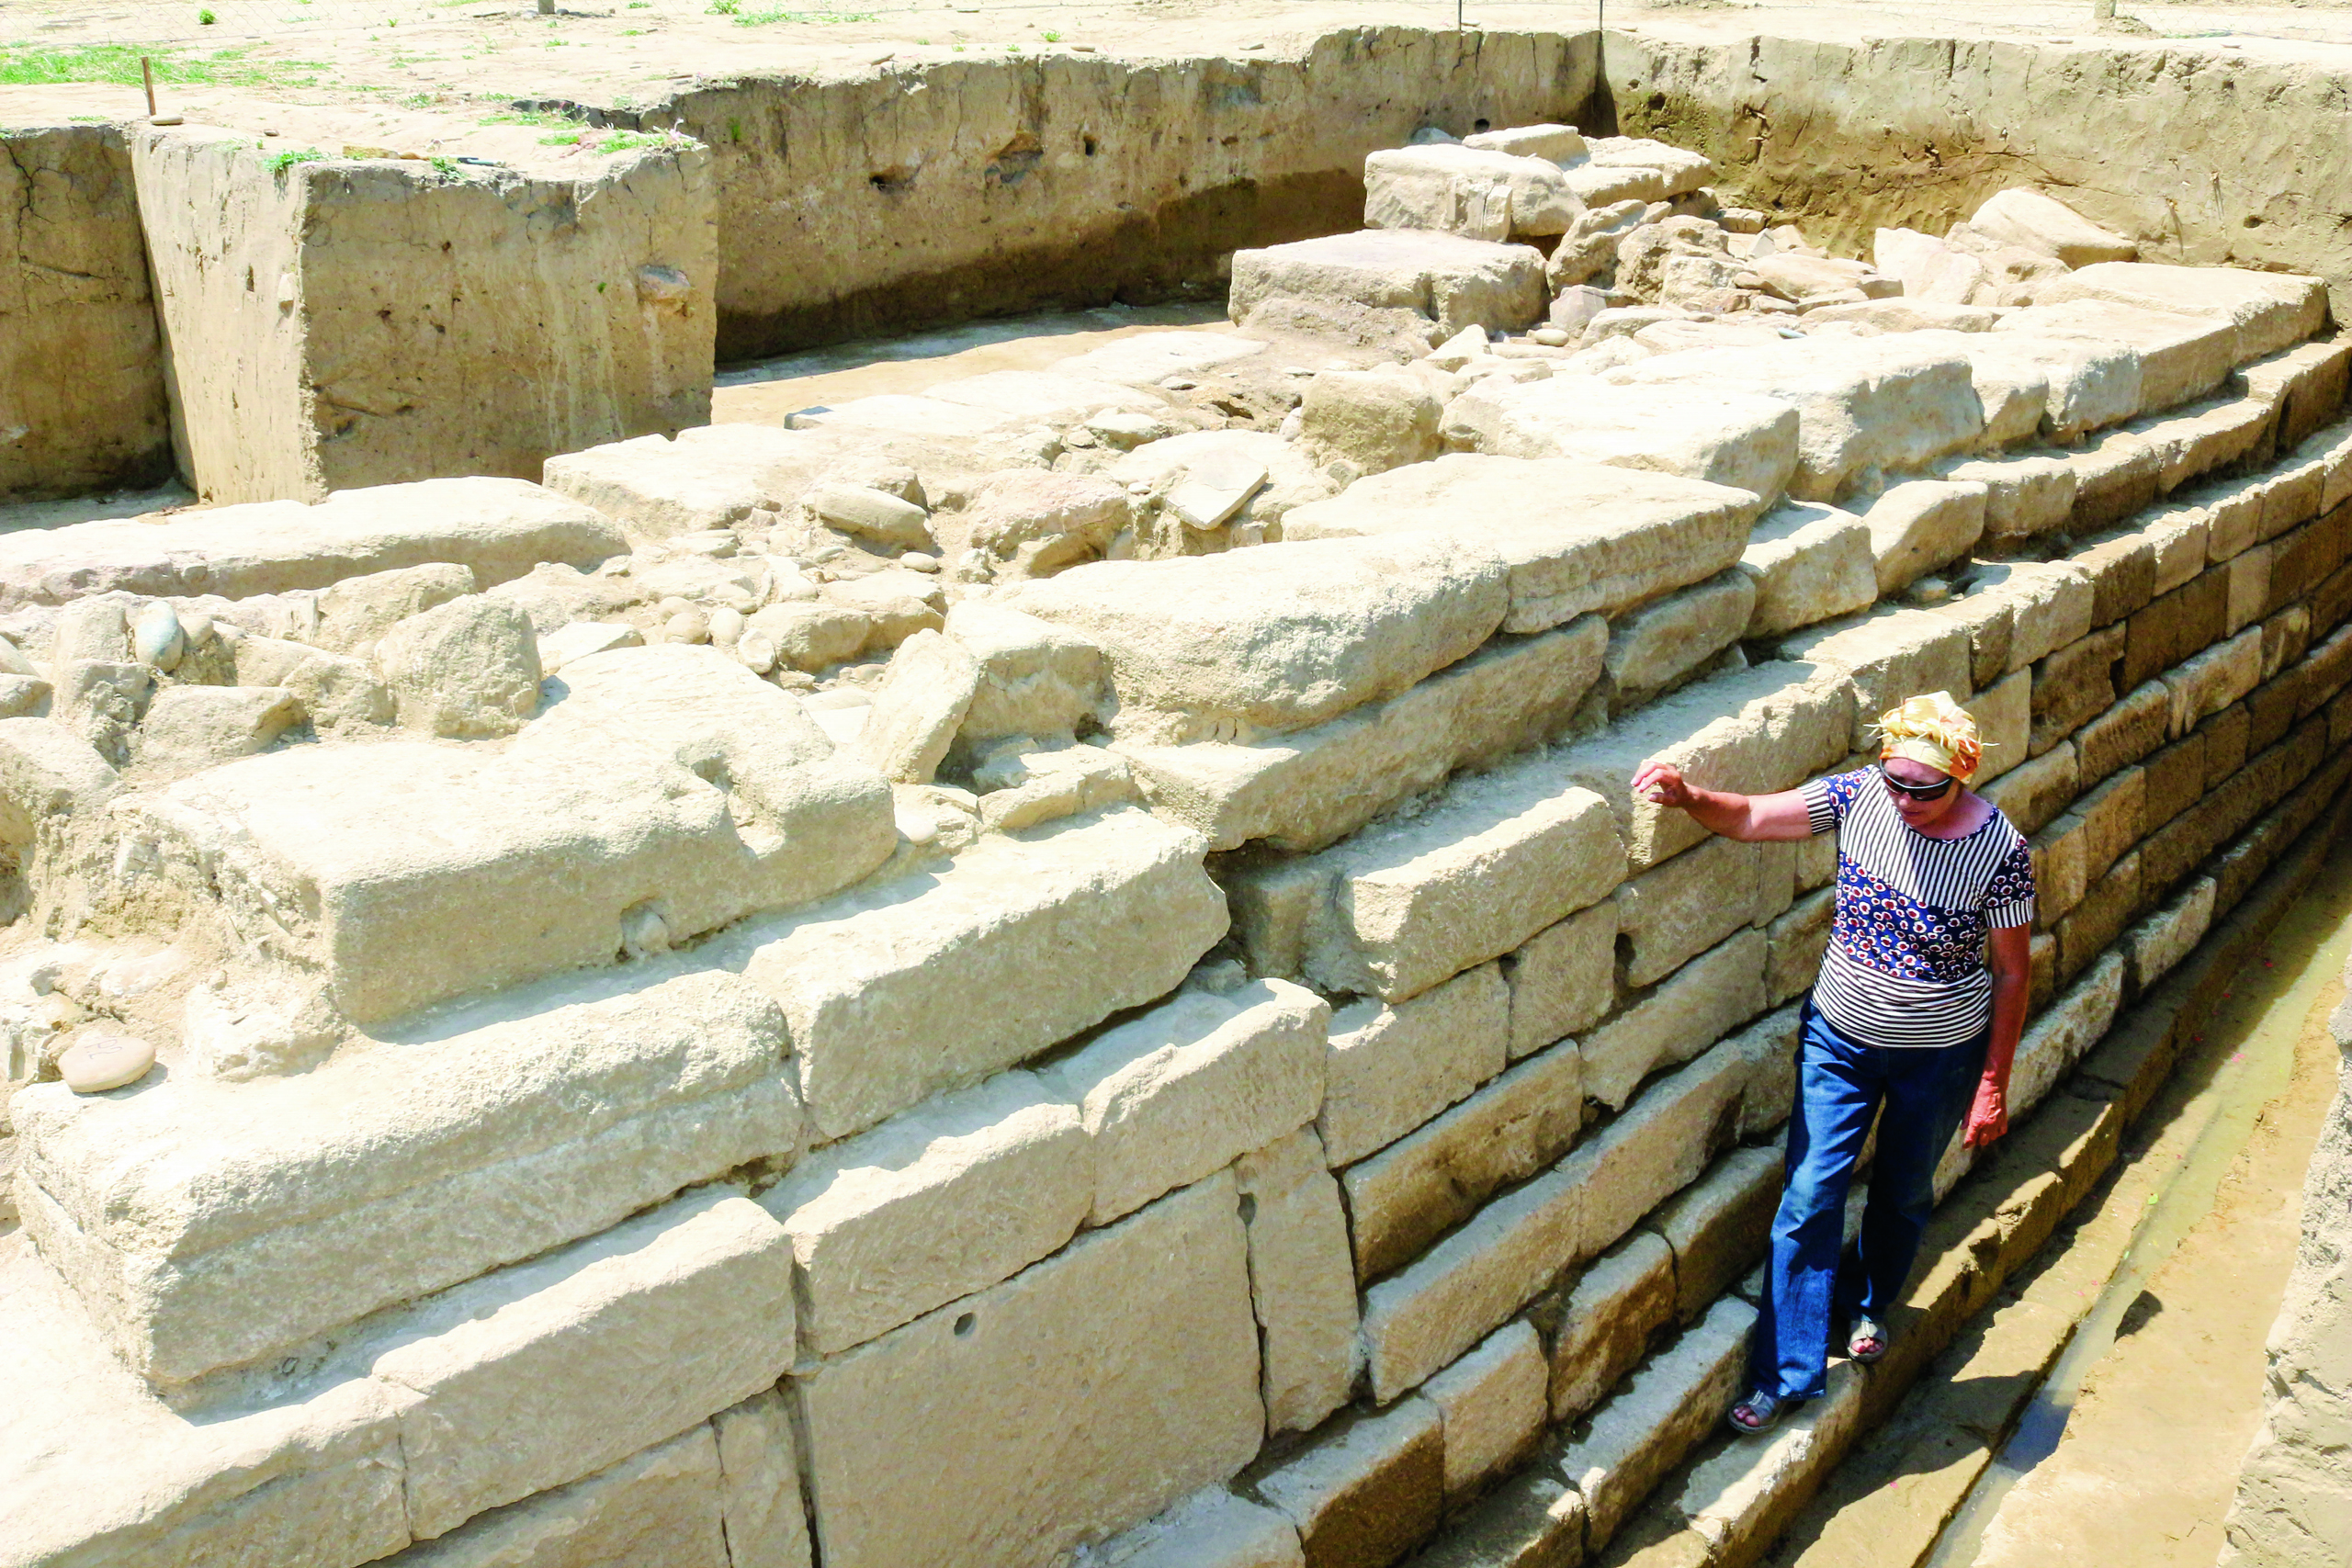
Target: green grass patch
278,162
118,64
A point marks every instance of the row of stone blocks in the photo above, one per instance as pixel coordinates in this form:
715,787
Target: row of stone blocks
1480,931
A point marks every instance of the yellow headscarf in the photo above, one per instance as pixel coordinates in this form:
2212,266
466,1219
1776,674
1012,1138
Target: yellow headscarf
1933,729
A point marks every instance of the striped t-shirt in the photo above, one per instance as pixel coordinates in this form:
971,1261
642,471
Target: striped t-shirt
1905,965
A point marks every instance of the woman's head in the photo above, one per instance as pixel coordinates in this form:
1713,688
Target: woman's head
1928,748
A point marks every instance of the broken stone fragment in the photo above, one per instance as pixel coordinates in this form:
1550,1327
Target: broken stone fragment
95,1063
811,636
156,638
578,639
922,703
355,613
189,727
466,669
1029,523
870,513
2048,226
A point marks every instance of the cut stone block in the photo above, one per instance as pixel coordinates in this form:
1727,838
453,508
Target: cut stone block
465,670
1661,1141
1576,537
1681,169
1491,1404
1606,1319
1307,789
1192,1085
1727,437
1455,189
2153,948
919,707
1369,1492
1660,645
897,992
2268,311
1415,1190
2181,356
1697,1005
1138,1337
2071,1024
187,728
1798,941
1719,1225
759,1485
1443,281
1645,1431
1560,143
499,529
1889,656
1674,912
662,1505
2048,226
261,1215
2087,380
1392,1067
2212,680
1809,563
1376,419
1036,679
2003,717
1918,527
947,1199
1301,1285
1755,731
1862,403
2023,496
1529,1521
1229,647
1212,1528
542,1373
1562,978
1738,1499
1501,857
711,475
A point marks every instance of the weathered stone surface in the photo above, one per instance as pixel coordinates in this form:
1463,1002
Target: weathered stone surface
661,1504
263,1214
1491,1404
539,1374
1033,522
879,986
1696,1005
1387,281
1378,419
1576,536
1798,939
1304,790
1562,978
1661,645
1036,679
2268,311
1528,1521
2212,680
1718,1227
1464,190
1193,1084
1301,1285
945,1201
1661,1141
710,476
2059,1037
1138,1337
2046,226
1917,527
2023,496
1889,656
1738,439
1392,1067
1233,646
1673,912
187,728
499,529
1369,1492
341,694
357,611
1645,1431
1606,1319
919,707
2077,682
1737,1500
466,670
1410,1192
1212,1528
759,1485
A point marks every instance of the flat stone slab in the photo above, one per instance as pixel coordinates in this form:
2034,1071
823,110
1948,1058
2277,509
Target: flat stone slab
1725,437
1450,281
711,475
2268,311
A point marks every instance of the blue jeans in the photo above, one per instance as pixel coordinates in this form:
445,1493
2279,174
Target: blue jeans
1840,1085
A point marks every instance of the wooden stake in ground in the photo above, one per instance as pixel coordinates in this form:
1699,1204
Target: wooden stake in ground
147,74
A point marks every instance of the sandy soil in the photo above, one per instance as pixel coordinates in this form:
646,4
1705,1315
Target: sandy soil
446,55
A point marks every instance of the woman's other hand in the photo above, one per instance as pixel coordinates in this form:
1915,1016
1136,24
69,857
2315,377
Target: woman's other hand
1988,1118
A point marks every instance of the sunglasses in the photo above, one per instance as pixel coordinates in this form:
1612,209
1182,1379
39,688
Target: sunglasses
1935,791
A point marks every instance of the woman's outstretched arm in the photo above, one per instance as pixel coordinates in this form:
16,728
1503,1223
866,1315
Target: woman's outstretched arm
1751,819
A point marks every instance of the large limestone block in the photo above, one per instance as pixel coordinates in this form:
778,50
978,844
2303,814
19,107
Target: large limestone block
1212,1528
539,1374
49,776
499,529
1057,396
1863,404
2048,226
1661,1142
1755,730
466,670
1501,857
1369,1490
1464,190
1664,644
1889,656
1917,527
2023,496
2181,356
1376,419
1576,536
1261,641
932,981
1681,169
1409,1193
1560,143
1562,978
312,1483
1723,435
759,1484
1672,1402
711,475
949,1198
189,727
2064,1032
1492,1405
1737,1499
1301,1285
1390,1068
2057,384
207,1225
1606,1319
923,1446
2270,310
1307,789
1719,1224
661,1505
1437,283
1676,911
2212,680
1694,1006
1036,679
1191,1085
1809,562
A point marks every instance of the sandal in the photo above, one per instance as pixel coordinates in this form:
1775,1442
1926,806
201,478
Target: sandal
1758,1413
1867,1341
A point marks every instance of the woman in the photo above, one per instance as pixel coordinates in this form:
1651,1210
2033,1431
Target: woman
1905,1013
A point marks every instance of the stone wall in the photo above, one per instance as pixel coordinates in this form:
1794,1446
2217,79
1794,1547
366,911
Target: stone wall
81,385
329,325
2291,1507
